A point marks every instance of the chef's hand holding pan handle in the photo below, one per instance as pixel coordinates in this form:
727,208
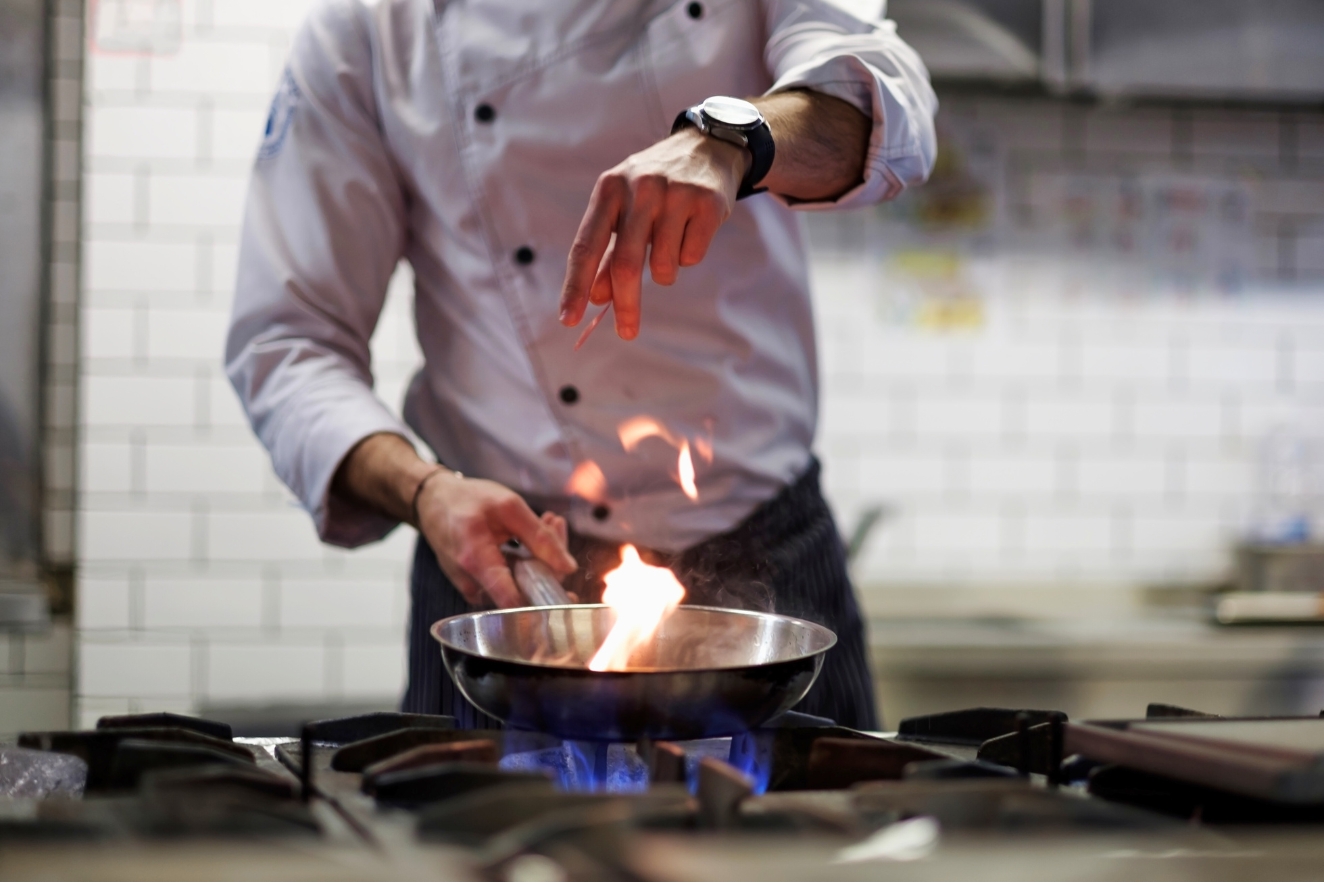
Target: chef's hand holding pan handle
467,520
464,520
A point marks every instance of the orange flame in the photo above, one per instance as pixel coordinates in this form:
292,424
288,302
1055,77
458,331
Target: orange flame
587,481
705,448
637,429
685,470
642,596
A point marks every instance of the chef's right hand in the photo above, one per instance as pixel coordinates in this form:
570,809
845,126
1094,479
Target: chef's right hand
465,521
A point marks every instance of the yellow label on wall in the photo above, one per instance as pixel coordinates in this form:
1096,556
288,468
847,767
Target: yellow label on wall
929,288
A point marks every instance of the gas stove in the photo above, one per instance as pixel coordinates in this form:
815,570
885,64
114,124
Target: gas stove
975,793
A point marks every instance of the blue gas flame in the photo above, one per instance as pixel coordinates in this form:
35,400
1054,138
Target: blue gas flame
751,754
583,766
577,766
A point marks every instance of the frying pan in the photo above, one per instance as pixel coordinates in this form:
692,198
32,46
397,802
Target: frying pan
710,672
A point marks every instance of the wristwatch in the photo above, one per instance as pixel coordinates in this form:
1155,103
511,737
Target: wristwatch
740,123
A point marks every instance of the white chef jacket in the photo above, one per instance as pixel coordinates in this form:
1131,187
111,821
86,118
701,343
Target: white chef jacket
465,136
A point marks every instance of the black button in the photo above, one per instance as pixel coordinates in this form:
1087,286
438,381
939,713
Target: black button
602,512
484,113
695,10
569,395
524,255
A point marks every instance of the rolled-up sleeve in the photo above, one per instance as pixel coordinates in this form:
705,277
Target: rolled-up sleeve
323,230
847,49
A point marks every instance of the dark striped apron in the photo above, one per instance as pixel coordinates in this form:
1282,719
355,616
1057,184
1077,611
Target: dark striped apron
785,557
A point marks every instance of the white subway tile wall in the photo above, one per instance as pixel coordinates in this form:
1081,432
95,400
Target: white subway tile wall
201,581
1095,425
34,681
1045,432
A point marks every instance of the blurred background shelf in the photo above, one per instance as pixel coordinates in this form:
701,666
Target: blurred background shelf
1201,50
1096,668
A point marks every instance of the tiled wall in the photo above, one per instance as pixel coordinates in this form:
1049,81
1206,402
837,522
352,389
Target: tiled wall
1046,430
1054,365
34,681
201,582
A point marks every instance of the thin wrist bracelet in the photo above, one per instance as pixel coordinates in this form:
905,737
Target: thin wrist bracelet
422,483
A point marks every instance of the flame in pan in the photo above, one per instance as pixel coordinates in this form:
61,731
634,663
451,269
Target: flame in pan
642,596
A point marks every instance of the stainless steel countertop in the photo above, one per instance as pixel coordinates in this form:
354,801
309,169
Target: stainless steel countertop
1120,644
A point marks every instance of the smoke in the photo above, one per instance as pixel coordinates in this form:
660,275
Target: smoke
719,574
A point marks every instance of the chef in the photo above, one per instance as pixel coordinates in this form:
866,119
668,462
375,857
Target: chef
537,163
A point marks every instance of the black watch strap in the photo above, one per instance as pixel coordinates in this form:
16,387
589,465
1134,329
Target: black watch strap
761,150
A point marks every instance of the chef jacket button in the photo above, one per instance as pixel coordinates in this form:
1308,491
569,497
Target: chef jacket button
484,113
524,255
569,394
602,512
695,10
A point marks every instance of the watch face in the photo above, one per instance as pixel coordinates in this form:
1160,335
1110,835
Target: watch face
731,111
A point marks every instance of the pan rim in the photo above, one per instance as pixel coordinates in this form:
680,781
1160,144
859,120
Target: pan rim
831,636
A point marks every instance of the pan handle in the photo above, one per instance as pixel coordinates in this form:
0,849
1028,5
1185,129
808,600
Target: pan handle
538,583
534,578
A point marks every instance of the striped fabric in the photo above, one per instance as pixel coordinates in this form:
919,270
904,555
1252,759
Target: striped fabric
785,557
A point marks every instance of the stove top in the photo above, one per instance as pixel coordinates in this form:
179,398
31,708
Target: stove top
406,796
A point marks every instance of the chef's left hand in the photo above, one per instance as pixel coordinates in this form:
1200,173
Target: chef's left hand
666,203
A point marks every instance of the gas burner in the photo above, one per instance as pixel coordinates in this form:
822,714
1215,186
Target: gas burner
163,775
519,805
117,757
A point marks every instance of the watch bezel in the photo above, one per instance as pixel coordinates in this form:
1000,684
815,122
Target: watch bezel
756,137
713,120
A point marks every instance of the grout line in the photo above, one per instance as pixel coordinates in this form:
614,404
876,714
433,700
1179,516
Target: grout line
333,672
1125,431
1179,357
142,185
138,465
1013,529
202,397
142,79
1230,420
1123,522
271,600
198,536
1066,470
202,134
137,599
1174,476
956,473
203,274
199,668
140,344
1285,374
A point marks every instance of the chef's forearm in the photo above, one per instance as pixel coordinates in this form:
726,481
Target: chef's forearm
821,143
382,472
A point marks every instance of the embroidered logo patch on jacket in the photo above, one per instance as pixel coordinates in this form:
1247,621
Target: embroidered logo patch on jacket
281,117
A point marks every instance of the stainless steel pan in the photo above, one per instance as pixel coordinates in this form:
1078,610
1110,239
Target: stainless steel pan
710,672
